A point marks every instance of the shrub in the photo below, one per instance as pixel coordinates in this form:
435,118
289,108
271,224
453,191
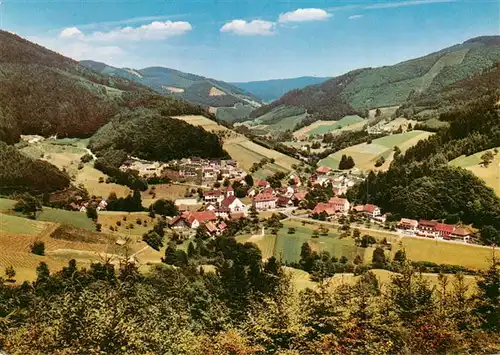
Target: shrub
38,248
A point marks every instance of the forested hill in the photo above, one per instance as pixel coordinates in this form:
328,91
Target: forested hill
42,92
421,184
271,90
364,89
193,88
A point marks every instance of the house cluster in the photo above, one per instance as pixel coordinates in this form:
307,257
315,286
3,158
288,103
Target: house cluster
206,171
81,205
433,229
224,205
193,220
145,168
338,205
264,197
339,180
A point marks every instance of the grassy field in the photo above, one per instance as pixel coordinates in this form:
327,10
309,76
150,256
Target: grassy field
202,121
490,175
65,154
239,112
73,218
6,204
384,111
301,279
321,127
240,148
165,191
19,225
246,152
365,155
287,247
128,227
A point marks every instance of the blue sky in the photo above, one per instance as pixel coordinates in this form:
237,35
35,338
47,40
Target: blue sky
243,40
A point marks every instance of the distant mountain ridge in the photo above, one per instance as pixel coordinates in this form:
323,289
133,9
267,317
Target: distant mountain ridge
400,84
270,90
194,88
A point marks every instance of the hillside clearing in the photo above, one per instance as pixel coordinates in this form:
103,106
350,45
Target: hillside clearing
490,174
365,155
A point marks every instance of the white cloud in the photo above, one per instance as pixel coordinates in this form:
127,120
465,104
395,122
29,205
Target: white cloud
388,5
355,17
70,32
303,15
252,28
156,30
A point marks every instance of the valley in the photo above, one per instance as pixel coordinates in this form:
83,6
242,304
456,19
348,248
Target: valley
158,211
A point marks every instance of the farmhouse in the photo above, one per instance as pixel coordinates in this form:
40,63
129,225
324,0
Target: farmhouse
427,228
323,170
213,196
324,208
408,224
263,184
340,204
264,201
370,210
284,201
461,234
192,219
444,230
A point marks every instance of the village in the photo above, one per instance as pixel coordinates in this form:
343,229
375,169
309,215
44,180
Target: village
229,194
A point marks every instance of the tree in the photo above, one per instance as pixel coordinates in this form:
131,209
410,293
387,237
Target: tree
201,233
254,215
378,112
249,180
10,273
397,151
487,158
378,257
346,162
28,205
153,239
358,260
164,208
191,251
291,230
92,211
400,256
488,297
356,233
380,161
226,182
38,248
490,235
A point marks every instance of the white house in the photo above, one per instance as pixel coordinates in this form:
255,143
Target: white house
234,204
264,201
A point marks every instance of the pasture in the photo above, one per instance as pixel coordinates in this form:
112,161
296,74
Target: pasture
246,152
163,191
126,224
352,122
202,121
490,174
365,155
11,224
384,111
73,218
89,177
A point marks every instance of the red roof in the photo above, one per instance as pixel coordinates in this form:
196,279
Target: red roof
359,208
174,220
426,223
408,222
263,183
227,201
461,232
337,201
268,190
283,200
446,228
264,197
323,170
222,225
213,193
229,188
202,217
210,227
324,207
370,208
300,195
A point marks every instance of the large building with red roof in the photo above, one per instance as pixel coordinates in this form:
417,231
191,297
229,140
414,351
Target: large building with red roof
264,201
